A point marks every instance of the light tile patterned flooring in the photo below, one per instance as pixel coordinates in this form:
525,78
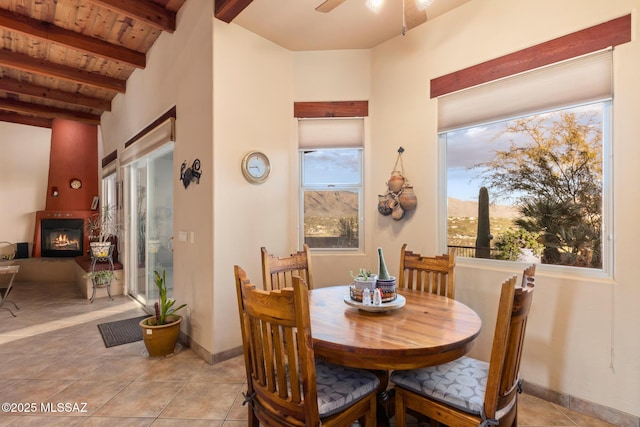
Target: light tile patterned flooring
52,353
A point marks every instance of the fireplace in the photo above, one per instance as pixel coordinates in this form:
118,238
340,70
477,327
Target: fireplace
61,237
60,234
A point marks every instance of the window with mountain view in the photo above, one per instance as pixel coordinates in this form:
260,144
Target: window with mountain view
530,188
331,194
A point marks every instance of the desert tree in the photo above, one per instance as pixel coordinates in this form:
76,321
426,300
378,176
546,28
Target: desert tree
553,169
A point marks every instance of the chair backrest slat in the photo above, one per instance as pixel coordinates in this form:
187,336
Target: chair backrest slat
278,272
508,340
427,274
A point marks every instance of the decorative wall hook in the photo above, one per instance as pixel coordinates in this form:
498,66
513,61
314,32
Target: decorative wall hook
187,175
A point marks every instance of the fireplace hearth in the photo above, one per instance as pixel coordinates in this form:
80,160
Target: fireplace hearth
62,237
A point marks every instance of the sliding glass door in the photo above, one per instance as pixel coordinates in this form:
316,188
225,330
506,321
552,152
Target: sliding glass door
149,213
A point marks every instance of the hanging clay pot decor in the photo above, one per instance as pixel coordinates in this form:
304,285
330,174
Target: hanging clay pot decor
400,196
396,181
383,204
397,212
407,198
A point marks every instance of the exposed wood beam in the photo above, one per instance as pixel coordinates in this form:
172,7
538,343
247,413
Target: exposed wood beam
142,10
25,120
592,39
28,89
227,10
309,110
48,112
90,45
49,69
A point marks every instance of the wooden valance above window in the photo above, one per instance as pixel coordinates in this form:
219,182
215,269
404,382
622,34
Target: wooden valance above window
592,39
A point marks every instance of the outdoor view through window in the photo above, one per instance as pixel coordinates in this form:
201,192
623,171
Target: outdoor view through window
529,188
331,190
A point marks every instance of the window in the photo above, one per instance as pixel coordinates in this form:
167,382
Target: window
525,176
331,183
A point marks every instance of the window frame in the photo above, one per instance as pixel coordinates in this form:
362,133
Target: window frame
606,272
359,189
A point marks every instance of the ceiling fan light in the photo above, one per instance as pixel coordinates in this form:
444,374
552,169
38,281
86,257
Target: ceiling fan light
374,5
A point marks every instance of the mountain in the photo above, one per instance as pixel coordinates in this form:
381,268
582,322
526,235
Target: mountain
336,204
466,208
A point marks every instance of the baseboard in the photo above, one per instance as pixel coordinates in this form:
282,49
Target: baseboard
595,410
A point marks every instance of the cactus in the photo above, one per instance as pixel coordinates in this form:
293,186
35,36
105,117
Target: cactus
383,274
483,235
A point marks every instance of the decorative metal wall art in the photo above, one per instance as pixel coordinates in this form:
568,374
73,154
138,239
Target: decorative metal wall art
400,196
190,174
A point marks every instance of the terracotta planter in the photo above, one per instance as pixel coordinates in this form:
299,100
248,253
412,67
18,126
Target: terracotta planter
160,340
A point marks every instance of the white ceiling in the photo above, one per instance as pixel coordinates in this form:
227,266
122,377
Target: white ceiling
295,24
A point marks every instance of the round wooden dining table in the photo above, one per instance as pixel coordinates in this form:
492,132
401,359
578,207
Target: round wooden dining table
428,330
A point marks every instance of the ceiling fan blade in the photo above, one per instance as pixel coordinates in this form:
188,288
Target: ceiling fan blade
414,14
329,5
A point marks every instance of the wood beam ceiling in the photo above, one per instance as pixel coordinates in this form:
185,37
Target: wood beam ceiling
47,32
227,10
145,11
69,59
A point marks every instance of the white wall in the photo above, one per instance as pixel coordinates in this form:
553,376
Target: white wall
582,338
24,172
252,111
178,72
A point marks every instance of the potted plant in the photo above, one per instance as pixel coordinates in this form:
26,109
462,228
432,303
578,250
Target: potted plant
160,332
101,277
101,228
365,279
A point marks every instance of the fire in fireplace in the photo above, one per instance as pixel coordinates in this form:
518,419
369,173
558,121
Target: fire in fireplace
62,237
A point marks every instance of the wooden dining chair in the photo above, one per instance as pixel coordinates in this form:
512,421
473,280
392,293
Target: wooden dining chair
467,391
278,272
286,385
428,274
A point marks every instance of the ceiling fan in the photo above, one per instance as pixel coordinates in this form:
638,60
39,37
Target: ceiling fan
413,11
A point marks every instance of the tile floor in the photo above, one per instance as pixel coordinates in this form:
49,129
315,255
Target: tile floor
52,353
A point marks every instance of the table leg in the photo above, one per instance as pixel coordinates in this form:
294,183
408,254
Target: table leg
385,409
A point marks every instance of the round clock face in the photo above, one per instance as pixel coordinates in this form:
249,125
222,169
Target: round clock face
256,167
75,183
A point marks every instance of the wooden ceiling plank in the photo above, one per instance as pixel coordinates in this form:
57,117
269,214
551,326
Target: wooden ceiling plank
49,69
227,10
48,112
25,120
90,45
40,92
142,10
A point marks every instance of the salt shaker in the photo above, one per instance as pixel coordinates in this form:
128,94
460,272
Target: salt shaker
366,296
377,296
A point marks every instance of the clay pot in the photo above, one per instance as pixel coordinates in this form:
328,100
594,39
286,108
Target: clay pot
383,204
397,212
396,181
407,198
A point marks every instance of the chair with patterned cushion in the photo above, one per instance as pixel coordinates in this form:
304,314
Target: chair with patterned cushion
467,391
278,272
286,385
428,274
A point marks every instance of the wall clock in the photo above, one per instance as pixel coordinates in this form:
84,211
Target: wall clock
75,183
256,167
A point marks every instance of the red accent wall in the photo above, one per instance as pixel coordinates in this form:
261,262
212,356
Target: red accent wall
74,154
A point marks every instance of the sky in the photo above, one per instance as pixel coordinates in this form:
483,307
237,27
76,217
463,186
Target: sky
477,144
